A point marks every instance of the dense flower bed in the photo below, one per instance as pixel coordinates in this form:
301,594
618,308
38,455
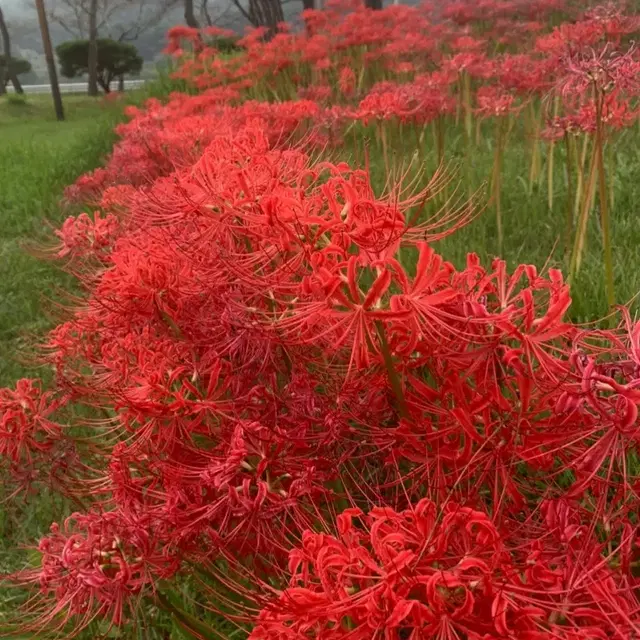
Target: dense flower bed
291,390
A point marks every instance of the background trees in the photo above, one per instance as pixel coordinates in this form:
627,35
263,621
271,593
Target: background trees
121,20
9,70
114,59
116,20
16,67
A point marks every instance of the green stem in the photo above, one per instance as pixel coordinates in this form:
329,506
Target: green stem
496,181
385,150
188,623
535,149
467,105
580,162
440,141
612,167
569,221
556,107
394,379
604,204
581,232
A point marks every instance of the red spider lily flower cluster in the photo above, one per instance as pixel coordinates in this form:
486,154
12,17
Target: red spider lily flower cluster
427,573
289,386
95,565
31,443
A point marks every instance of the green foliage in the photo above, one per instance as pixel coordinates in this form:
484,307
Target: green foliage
40,157
226,45
19,66
114,59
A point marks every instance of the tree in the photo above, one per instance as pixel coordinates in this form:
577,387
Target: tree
8,71
262,13
17,67
189,14
51,63
92,62
373,4
115,59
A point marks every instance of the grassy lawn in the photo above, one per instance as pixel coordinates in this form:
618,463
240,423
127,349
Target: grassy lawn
38,158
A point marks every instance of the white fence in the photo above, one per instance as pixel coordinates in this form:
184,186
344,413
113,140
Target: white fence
74,87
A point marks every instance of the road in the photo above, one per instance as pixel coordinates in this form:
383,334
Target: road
73,87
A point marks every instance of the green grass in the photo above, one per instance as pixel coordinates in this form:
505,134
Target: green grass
39,157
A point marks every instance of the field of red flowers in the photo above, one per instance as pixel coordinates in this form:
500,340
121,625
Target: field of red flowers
276,389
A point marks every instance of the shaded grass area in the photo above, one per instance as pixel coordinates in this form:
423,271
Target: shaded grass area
39,157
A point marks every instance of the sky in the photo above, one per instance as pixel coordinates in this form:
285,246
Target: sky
17,7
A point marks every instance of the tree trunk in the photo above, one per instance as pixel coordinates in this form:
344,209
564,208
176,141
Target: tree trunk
121,84
205,12
17,85
105,83
373,4
267,13
7,55
3,81
189,15
308,4
51,63
93,48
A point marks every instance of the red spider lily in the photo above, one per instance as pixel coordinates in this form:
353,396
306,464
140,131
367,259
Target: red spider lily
96,566
526,74
179,34
430,574
347,82
568,39
30,439
613,21
415,570
608,71
494,101
82,237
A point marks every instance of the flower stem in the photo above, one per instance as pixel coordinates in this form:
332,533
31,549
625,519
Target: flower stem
581,231
496,186
550,160
603,196
394,379
569,220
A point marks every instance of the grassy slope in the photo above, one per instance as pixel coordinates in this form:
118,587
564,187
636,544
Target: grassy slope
38,158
